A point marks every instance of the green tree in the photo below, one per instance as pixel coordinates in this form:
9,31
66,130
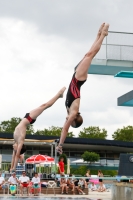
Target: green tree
93,132
10,125
90,156
124,134
53,131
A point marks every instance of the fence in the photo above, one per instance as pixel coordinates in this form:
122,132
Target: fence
117,46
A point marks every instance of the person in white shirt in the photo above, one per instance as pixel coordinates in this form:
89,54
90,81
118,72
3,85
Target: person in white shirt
36,183
24,182
13,182
81,185
93,187
2,181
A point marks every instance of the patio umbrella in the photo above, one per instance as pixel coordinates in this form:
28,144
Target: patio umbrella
68,166
39,159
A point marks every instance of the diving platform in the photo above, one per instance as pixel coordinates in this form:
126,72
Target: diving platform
109,67
115,56
126,99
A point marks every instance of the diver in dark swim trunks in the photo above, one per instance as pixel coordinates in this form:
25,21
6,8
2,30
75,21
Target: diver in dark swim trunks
74,118
20,130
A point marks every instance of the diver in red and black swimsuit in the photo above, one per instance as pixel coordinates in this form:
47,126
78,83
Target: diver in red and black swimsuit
74,118
73,91
20,130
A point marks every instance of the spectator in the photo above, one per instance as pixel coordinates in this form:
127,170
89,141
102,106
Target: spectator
13,182
70,183
81,186
63,185
93,187
24,182
61,166
36,184
2,181
100,174
103,188
88,175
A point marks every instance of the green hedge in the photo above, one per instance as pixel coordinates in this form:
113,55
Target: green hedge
81,170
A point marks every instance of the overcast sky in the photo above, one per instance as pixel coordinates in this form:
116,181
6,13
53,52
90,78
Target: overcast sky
41,41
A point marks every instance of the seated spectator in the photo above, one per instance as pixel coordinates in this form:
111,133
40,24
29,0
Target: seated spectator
36,183
93,187
81,186
76,182
63,185
103,188
13,182
70,183
2,181
24,182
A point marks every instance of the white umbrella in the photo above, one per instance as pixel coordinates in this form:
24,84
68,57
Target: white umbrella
68,166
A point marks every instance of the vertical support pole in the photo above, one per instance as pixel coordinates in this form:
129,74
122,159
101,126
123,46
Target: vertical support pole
106,50
52,150
55,159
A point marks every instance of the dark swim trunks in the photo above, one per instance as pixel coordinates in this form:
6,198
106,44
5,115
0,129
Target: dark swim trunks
27,116
73,91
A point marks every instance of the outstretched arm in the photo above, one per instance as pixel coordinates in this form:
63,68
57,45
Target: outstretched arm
66,127
16,156
13,159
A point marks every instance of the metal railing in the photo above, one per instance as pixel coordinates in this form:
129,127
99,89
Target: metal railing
117,46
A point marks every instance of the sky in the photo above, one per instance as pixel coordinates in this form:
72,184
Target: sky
41,41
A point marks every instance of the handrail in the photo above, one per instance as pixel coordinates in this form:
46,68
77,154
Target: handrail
120,32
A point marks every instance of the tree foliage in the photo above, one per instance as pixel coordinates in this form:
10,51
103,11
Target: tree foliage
53,131
124,134
90,156
93,132
10,125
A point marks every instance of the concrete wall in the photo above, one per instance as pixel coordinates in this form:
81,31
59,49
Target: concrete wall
122,191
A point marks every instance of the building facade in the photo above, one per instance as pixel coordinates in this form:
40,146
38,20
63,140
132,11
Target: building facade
109,150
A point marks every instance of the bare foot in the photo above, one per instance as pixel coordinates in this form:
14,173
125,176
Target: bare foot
100,30
105,30
61,92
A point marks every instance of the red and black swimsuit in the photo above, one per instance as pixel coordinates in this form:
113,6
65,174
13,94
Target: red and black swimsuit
27,116
73,91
